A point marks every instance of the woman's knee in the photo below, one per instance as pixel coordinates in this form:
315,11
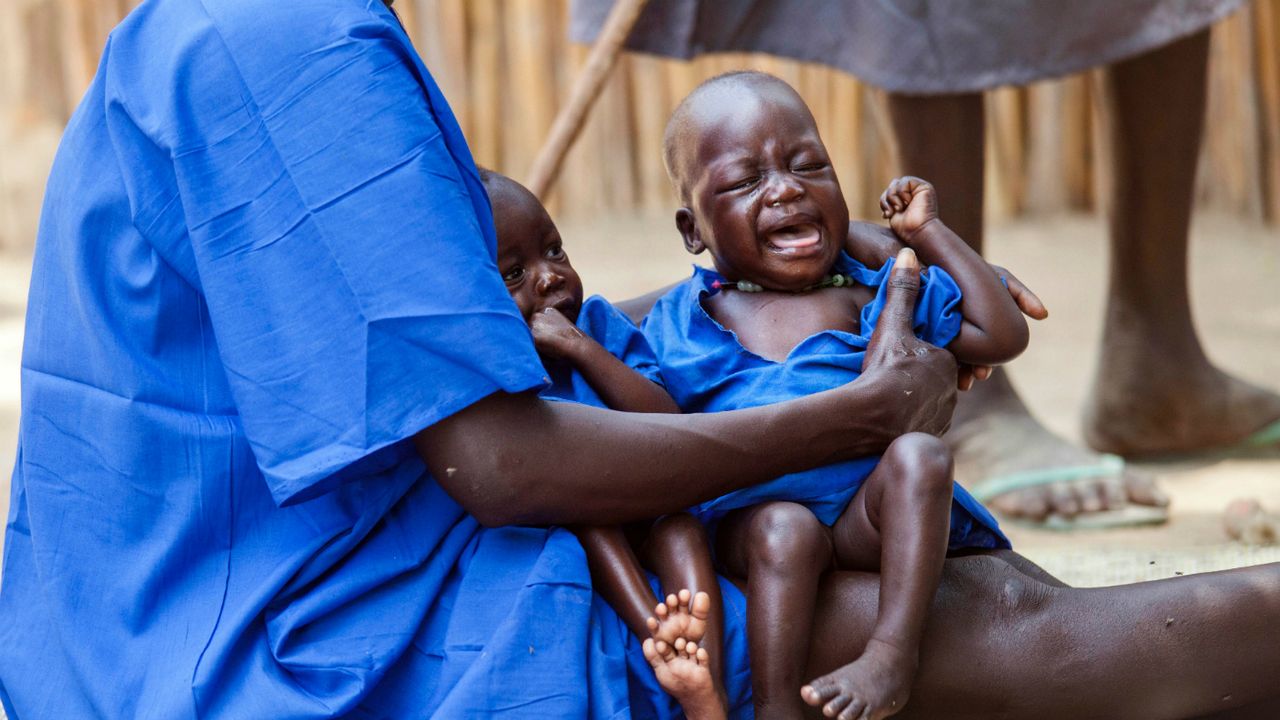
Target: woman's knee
785,536
923,462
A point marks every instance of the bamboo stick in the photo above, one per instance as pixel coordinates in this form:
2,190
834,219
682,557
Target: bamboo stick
569,122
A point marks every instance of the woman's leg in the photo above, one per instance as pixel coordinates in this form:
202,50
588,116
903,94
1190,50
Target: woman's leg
1157,392
782,550
1001,644
898,524
941,138
677,552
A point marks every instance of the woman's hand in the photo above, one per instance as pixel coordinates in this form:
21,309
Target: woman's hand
919,379
872,245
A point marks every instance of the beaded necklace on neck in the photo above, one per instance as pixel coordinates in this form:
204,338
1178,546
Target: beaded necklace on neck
828,281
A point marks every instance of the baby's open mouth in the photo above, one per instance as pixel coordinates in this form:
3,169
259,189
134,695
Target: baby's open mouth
798,239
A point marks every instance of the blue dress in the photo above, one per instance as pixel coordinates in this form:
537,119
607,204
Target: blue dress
707,370
615,332
266,261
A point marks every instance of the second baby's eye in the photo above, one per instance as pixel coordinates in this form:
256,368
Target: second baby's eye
513,275
741,183
555,251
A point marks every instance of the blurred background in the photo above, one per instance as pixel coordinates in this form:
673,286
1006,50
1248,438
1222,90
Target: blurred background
506,67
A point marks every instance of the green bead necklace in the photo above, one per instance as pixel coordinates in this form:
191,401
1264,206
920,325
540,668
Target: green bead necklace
832,281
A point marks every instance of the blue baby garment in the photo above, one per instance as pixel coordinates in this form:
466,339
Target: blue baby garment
707,370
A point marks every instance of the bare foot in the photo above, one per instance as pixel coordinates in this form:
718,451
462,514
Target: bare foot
682,667
874,686
1159,404
994,436
683,615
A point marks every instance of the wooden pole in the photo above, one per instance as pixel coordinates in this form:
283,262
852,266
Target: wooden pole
586,89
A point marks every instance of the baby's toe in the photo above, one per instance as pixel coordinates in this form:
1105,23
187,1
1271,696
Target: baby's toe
835,705
819,691
701,606
852,711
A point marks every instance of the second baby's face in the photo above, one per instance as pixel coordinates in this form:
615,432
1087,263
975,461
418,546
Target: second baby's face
531,257
765,199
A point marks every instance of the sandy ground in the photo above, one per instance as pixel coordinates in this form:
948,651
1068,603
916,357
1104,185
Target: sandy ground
1235,268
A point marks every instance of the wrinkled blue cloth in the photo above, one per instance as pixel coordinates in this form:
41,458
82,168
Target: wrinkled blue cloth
266,261
707,370
615,332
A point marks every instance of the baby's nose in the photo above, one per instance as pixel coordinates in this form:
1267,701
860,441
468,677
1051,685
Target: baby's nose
783,188
549,280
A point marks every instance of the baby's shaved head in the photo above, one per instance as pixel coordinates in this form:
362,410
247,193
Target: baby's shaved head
727,90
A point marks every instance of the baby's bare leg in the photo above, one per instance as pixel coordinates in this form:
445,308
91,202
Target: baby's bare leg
782,550
897,523
677,551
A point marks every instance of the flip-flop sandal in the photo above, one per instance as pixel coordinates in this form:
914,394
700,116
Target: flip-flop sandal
1262,444
1107,465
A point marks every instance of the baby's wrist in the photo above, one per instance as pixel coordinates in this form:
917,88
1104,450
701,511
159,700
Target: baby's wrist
925,235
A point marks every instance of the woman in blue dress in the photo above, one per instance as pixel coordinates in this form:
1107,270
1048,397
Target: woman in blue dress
280,454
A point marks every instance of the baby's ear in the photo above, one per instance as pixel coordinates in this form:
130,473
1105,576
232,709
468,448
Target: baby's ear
689,231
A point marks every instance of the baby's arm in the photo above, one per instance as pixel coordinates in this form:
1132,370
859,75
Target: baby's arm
993,330
621,387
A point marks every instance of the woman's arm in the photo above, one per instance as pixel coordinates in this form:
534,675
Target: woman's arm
515,459
993,330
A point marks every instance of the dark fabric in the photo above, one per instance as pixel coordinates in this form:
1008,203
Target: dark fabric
916,46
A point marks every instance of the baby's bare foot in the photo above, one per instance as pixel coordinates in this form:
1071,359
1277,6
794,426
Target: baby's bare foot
683,615
874,686
683,669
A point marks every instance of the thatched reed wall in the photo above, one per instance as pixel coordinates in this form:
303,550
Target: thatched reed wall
506,67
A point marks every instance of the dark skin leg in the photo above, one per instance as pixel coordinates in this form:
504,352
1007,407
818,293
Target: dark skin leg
940,137
1160,394
1001,644
782,550
898,524
677,552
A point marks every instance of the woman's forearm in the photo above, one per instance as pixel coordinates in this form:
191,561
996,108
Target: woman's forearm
514,459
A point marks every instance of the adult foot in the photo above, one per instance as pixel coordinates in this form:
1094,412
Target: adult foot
1166,406
874,686
683,668
1026,472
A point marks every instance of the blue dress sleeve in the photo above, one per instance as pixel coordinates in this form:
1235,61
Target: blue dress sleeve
616,333
338,233
937,317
